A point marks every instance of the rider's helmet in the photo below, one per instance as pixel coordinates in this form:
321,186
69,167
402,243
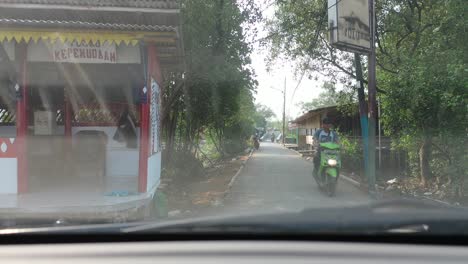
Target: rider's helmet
327,121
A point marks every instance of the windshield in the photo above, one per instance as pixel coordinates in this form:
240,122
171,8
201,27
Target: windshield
157,111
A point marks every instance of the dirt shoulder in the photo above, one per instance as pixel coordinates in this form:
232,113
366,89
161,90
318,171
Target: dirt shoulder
191,196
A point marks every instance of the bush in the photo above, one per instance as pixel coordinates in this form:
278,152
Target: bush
183,164
448,162
232,147
351,155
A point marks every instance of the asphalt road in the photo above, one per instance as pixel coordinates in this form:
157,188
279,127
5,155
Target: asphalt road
277,179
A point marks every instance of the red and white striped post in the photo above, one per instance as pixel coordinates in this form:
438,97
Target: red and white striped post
153,71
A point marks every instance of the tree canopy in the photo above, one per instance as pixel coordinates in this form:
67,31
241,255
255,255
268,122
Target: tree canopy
213,97
421,75
263,114
328,97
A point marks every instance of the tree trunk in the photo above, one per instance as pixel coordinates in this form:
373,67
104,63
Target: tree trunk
425,153
171,134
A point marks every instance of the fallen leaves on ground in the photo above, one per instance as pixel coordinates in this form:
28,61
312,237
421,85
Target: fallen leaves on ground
189,193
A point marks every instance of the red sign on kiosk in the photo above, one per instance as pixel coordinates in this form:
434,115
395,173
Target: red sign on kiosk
8,148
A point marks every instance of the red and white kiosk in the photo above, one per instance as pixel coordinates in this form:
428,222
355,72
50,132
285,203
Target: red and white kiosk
66,70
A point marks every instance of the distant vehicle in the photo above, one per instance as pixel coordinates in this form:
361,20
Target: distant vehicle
261,131
279,137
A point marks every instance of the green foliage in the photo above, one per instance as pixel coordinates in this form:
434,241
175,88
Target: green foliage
299,32
291,134
351,154
212,100
350,146
329,97
344,99
208,152
426,94
422,74
409,145
263,114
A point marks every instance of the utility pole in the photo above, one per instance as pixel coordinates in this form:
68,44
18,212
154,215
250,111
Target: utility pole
284,111
284,107
363,116
372,99
379,129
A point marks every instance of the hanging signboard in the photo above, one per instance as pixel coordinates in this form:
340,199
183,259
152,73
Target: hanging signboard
348,21
83,52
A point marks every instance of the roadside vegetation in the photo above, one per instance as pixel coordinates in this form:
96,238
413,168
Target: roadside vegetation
209,113
421,79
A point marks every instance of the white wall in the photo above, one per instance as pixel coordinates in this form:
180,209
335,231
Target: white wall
302,131
128,54
121,161
8,175
8,166
154,171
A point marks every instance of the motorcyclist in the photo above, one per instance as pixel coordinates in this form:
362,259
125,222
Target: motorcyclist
324,134
255,136
256,140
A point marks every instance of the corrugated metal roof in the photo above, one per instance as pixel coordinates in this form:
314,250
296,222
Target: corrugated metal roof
84,25
313,112
132,18
158,4
88,18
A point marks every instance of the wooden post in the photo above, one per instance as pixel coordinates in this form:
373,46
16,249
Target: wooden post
67,141
22,118
372,99
67,115
284,113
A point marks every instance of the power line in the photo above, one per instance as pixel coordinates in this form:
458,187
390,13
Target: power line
337,2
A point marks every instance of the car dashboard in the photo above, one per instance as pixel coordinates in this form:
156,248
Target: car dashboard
227,252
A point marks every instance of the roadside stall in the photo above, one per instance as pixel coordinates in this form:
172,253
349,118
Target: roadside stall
80,87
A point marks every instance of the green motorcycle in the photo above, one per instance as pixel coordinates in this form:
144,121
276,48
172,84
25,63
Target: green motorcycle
329,170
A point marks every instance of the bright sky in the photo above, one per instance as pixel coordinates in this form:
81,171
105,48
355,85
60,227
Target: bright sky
307,90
